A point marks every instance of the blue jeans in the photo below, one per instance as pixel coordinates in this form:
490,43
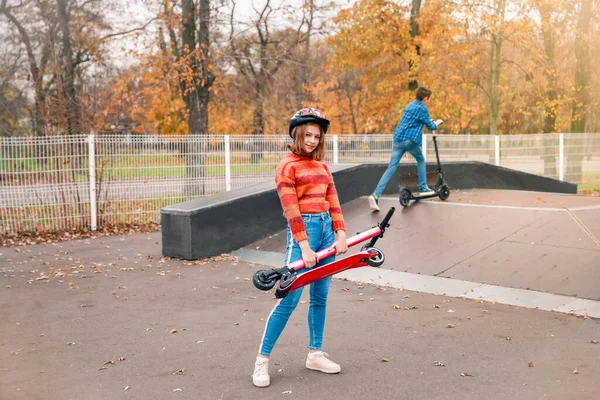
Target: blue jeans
398,150
319,230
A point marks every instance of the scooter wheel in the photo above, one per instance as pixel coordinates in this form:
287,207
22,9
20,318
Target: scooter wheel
444,192
262,281
405,197
376,261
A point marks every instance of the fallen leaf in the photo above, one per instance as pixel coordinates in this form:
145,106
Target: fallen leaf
450,325
465,374
179,372
530,364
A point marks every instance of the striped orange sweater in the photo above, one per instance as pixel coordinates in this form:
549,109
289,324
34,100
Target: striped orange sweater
305,186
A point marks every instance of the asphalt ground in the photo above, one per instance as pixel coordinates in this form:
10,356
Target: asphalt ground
109,318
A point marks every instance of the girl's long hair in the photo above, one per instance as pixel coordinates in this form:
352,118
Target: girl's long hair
297,147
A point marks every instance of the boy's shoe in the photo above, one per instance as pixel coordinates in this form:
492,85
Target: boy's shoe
426,192
261,377
374,202
318,361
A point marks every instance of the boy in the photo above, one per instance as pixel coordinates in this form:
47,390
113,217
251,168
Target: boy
408,137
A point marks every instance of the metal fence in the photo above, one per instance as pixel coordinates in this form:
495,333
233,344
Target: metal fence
88,181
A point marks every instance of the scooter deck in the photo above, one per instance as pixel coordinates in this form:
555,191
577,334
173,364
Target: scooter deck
295,282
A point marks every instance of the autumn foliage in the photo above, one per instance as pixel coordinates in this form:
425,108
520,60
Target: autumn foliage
494,66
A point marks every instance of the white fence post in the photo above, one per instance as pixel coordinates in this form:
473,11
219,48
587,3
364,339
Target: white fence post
335,149
561,157
497,149
424,146
92,167
227,165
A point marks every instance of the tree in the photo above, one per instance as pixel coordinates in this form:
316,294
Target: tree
497,38
413,62
258,54
372,41
192,60
37,63
550,93
196,82
582,89
309,15
69,62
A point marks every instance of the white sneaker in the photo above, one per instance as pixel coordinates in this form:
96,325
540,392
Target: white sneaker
426,192
373,203
261,377
318,361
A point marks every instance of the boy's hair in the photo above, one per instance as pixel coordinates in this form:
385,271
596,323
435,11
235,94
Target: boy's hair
299,133
423,92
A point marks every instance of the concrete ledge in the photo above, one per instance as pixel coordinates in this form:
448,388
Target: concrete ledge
230,220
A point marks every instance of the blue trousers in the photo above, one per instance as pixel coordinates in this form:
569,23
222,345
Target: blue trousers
319,229
398,150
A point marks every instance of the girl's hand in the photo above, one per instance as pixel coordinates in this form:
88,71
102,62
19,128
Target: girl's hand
340,244
308,256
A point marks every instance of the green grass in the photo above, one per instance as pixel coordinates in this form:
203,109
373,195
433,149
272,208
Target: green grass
592,182
128,167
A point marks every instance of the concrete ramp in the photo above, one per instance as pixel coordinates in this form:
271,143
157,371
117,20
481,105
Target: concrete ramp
481,239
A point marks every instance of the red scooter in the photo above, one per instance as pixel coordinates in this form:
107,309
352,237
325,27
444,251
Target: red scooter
288,277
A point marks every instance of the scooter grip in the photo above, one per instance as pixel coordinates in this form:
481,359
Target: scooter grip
299,264
384,222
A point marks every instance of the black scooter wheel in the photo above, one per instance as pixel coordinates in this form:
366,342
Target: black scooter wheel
444,192
262,280
376,261
405,197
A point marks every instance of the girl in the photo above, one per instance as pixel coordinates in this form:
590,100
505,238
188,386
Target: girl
315,222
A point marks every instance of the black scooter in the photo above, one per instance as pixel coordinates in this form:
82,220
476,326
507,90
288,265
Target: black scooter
440,189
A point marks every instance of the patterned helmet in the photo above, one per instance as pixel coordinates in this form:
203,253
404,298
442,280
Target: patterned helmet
307,115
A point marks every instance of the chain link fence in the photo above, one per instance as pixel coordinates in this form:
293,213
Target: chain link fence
88,181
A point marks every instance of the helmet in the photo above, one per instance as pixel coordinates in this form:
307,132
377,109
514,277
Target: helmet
306,115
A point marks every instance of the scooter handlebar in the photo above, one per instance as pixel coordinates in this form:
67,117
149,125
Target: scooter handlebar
372,233
385,221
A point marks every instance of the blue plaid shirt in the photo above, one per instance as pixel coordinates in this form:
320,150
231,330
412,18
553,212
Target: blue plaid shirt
411,125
